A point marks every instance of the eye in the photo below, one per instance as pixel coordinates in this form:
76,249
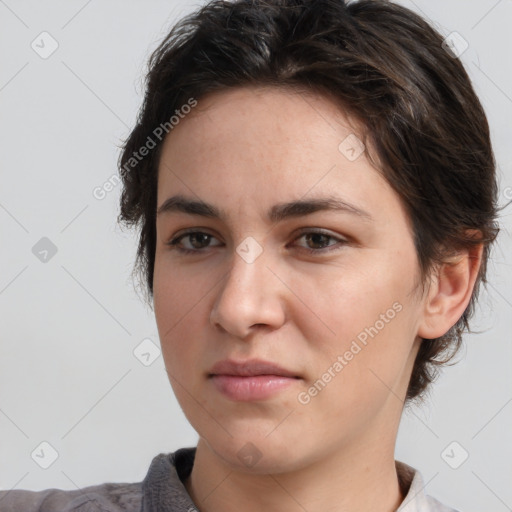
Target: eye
196,238
321,239
199,240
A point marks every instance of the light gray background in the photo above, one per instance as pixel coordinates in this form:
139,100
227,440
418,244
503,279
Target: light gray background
68,375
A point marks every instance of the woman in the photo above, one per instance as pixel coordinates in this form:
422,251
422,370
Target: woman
315,187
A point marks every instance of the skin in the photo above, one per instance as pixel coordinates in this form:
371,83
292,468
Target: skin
245,150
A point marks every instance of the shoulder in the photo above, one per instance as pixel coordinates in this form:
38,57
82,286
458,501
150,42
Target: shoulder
162,488
413,487
107,497
437,506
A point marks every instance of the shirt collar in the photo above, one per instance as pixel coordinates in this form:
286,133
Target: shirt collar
411,482
164,491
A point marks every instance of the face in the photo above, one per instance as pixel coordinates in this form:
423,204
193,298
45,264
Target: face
288,332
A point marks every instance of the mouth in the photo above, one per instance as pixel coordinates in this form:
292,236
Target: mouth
250,380
250,368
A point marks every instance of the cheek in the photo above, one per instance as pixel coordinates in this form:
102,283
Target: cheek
338,303
363,313
176,293
177,305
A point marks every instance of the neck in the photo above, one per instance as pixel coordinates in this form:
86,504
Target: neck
343,481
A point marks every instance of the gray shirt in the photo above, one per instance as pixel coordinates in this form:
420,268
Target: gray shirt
162,490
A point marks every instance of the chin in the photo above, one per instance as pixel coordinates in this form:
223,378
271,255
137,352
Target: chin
259,454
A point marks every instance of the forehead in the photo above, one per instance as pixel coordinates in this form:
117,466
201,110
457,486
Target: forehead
262,146
263,124
263,111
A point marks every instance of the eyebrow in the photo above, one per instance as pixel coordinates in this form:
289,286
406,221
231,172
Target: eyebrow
277,213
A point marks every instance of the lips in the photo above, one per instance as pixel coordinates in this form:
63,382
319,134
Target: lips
250,380
250,368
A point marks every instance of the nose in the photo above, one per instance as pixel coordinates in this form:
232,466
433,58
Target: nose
250,298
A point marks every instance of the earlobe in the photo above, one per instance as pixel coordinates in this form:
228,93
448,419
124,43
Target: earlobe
450,292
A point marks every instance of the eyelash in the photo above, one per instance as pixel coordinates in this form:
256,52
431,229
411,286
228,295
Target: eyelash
175,241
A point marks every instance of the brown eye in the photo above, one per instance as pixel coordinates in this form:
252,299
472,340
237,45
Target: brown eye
197,240
320,242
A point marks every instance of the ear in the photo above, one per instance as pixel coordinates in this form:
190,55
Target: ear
450,292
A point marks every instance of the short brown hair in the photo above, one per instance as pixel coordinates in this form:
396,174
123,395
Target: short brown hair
386,66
